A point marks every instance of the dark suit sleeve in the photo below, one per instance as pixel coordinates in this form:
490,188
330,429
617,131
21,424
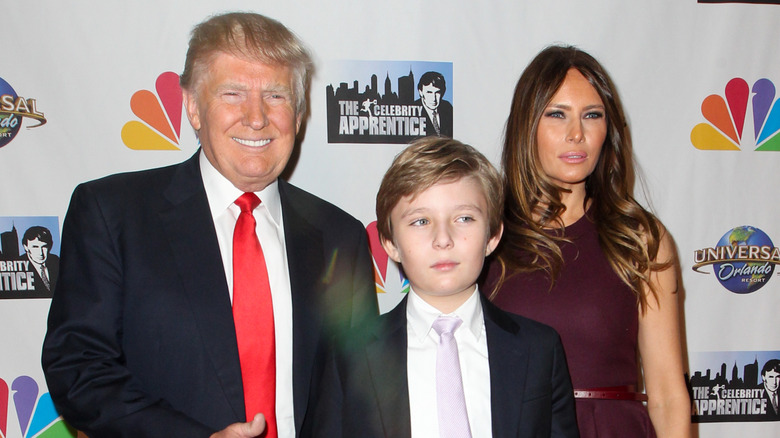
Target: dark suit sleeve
358,308
364,302
328,404
564,420
83,358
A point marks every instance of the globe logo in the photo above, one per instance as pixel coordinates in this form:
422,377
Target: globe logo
746,263
9,122
13,108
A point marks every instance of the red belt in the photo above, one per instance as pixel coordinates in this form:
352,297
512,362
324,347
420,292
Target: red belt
627,392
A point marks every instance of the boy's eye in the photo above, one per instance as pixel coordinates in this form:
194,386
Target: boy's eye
464,219
419,222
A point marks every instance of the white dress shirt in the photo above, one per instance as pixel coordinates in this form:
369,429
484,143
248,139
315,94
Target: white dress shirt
421,365
221,195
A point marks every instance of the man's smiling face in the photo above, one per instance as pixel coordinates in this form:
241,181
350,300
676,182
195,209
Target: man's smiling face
244,113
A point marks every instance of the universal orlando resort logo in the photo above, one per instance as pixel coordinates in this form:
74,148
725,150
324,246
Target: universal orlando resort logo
12,109
743,260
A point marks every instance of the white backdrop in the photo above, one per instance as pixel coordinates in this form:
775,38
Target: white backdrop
83,60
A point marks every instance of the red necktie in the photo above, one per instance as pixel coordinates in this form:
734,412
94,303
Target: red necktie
254,317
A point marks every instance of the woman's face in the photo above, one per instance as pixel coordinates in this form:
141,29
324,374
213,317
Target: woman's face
571,132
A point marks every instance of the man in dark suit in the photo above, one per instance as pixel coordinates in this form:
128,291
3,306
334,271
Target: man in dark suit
37,243
439,215
438,112
142,340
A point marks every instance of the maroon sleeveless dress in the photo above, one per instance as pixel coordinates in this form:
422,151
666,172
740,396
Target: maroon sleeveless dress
596,315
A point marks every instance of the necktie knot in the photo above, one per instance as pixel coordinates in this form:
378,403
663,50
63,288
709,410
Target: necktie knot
247,202
446,324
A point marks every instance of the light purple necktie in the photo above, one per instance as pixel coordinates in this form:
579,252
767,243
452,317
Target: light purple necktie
453,418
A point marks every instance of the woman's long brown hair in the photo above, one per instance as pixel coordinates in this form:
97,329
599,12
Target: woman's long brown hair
629,235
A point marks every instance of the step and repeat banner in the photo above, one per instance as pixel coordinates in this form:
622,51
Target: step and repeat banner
90,88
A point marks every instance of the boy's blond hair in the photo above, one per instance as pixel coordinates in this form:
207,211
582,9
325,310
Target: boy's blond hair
432,160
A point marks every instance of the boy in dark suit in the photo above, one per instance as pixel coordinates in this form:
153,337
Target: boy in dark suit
445,362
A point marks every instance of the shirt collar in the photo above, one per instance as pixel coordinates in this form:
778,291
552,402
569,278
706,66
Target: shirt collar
420,315
221,193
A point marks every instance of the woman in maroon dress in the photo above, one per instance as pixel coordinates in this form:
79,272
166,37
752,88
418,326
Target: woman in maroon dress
580,254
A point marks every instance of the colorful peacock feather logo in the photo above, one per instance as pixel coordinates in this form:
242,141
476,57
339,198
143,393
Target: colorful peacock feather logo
161,126
381,261
36,415
727,118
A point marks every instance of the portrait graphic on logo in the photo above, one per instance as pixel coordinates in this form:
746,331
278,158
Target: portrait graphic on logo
437,111
37,243
29,266
770,376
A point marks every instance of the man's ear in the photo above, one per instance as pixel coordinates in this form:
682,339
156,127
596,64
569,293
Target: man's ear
493,241
391,250
191,107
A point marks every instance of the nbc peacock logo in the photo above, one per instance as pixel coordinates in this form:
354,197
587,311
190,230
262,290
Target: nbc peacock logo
729,126
382,262
160,114
391,283
35,412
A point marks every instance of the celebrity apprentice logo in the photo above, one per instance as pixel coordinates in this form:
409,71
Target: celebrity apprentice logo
160,114
734,386
743,259
12,109
415,101
727,118
29,265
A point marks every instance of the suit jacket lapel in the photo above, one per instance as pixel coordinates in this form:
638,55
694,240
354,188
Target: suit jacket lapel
305,262
508,360
199,264
386,358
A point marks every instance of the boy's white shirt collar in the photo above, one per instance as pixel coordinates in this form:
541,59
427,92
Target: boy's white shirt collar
420,315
